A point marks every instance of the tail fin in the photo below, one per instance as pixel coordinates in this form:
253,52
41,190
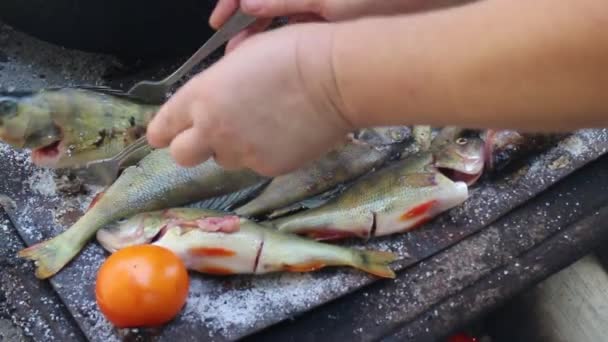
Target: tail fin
375,262
50,255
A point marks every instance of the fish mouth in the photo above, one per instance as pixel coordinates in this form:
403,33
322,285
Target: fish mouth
468,171
469,178
48,155
111,240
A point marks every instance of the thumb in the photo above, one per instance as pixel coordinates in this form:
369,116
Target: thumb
275,8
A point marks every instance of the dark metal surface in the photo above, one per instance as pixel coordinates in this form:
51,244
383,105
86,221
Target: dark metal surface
37,218
29,308
458,285
133,29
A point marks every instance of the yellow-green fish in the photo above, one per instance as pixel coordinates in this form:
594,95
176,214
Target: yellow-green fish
397,198
156,182
69,127
219,243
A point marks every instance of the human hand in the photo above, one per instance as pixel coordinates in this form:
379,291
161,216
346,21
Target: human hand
299,11
270,105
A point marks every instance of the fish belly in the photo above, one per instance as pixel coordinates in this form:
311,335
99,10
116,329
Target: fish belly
411,214
217,253
331,224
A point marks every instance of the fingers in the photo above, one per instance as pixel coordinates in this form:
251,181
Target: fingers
189,148
223,10
275,8
305,18
257,27
172,118
265,9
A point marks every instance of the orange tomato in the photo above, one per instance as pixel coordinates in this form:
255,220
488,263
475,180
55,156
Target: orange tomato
141,286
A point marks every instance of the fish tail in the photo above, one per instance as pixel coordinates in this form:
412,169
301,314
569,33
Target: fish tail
375,262
50,256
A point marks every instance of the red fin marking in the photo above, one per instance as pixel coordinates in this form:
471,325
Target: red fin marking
304,267
225,224
211,252
216,270
95,200
418,210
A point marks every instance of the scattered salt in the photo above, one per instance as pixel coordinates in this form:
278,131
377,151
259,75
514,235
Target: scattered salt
43,183
232,311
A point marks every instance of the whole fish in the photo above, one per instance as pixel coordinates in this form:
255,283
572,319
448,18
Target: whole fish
221,244
371,149
459,154
68,127
395,199
157,182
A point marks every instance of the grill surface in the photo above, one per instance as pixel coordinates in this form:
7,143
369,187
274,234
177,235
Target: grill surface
456,262
458,285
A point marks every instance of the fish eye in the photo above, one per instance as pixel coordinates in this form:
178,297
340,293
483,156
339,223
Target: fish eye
8,108
461,141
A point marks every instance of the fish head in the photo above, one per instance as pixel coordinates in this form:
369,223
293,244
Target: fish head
139,229
26,123
503,147
163,225
459,154
499,145
70,127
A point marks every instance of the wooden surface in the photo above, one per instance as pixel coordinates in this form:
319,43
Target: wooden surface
573,304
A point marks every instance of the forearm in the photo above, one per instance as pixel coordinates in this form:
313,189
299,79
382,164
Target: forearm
529,65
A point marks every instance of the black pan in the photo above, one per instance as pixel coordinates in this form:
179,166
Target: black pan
126,28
